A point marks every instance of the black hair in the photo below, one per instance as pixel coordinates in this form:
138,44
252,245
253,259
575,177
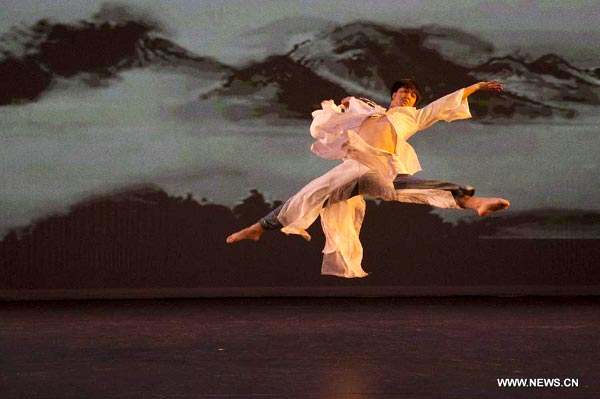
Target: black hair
410,84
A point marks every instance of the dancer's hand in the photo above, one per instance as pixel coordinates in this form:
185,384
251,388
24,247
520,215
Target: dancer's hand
492,85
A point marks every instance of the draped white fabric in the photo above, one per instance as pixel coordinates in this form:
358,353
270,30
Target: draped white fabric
371,168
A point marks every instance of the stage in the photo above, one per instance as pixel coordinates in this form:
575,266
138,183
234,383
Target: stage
300,347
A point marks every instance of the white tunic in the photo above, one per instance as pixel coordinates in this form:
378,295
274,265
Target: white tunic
335,130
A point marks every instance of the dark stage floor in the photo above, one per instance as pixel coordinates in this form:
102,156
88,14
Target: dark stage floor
299,347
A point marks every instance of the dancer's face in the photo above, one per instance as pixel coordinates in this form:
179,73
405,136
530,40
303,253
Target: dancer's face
404,98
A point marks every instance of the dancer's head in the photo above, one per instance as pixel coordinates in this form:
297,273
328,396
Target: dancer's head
405,93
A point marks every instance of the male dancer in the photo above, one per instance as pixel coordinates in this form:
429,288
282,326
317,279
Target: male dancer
387,131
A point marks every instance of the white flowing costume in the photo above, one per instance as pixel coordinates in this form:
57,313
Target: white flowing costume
335,130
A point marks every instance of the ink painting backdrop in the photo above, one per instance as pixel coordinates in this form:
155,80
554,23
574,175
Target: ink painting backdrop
136,135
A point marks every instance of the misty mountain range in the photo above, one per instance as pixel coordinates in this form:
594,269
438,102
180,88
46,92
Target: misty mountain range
359,58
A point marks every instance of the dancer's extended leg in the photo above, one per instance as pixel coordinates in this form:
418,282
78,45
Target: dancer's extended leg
463,197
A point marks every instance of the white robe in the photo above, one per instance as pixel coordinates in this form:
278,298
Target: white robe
336,137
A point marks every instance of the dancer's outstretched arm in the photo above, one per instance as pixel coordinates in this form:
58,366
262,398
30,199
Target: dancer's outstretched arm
453,106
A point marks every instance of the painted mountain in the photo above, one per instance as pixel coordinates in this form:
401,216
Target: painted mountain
365,59
359,58
35,59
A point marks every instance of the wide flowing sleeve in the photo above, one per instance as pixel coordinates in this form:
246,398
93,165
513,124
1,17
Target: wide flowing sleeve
330,125
448,108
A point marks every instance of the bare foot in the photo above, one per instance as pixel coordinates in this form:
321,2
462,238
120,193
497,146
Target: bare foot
489,205
484,206
249,233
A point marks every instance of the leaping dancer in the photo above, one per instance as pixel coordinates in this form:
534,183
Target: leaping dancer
377,162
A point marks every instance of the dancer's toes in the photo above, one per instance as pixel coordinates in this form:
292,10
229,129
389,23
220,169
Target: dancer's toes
490,205
249,233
